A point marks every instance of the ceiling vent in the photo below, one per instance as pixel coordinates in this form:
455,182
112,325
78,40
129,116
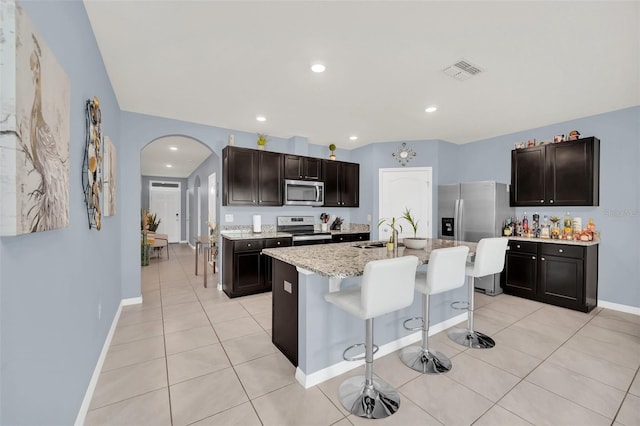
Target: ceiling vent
462,70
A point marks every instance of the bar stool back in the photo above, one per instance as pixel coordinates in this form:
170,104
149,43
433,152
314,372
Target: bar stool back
489,260
387,286
446,271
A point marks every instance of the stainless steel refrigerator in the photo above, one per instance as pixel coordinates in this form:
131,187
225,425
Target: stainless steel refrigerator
472,211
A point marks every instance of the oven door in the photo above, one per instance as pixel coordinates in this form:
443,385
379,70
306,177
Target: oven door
303,193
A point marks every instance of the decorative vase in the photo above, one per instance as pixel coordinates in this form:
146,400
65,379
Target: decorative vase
415,243
144,261
332,157
261,147
389,246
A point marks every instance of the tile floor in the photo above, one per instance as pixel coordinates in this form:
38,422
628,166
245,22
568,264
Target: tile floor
190,355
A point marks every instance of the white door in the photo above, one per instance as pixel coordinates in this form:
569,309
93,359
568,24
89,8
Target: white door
402,188
164,200
212,199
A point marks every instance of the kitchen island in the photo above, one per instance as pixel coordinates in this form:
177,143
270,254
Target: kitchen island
313,333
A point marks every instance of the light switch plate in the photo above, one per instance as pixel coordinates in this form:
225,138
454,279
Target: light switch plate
228,218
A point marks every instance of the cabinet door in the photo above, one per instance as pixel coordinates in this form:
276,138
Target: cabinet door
519,276
240,177
312,168
350,175
561,281
341,238
293,167
247,273
570,174
270,182
331,183
527,176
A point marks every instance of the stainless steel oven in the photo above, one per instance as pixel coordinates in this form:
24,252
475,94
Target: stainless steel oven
302,230
303,193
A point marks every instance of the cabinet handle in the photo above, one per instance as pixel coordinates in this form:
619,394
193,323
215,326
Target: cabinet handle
551,201
248,245
542,258
542,201
518,246
278,243
533,257
560,250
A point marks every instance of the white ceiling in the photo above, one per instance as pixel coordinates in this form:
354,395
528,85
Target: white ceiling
222,63
188,156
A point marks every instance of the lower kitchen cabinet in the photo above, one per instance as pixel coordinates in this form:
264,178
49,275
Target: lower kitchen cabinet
285,309
245,270
346,237
559,274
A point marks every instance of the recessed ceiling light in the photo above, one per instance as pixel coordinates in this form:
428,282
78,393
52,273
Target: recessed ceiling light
353,138
173,148
169,165
261,118
317,68
431,109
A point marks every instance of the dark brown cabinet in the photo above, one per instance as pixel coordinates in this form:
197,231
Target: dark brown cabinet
341,184
561,174
356,236
285,309
559,274
251,177
245,270
302,168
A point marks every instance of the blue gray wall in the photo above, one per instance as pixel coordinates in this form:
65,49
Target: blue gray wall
52,283
144,198
200,176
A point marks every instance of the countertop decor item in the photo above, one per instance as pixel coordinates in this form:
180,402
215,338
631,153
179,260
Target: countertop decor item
262,140
332,148
403,154
337,224
414,242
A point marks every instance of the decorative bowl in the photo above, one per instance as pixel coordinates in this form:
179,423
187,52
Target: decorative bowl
415,243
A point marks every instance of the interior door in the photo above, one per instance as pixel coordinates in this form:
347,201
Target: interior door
402,188
164,200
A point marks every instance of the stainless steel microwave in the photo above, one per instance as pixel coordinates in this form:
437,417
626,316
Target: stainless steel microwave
303,193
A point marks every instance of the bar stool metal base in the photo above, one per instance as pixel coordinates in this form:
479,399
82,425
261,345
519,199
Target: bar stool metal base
425,361
472,339
372,402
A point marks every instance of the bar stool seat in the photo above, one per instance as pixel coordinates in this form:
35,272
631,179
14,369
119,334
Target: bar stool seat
490,255
446,271
387,286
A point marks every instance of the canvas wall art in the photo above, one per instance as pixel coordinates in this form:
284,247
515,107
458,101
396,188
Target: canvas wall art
109,177
34,129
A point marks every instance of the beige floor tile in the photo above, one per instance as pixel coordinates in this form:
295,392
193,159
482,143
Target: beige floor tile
256,306
185,322
391,369
480,299
178,298
151,298
488,312
614,337
330,387
205,396
622,355
343,422
265,374
635,386
589,393
498,416
622,316
293,405
508,359
596,368
629,414
226,312
197,362
138,316
554,315
134,353
515,307
236,328
133,332
409,414
148,409
181,309
241,415
445,399
249,347
541,407
265,319
485,379
556,332
189,339
442,343
618,325
126,382
528,341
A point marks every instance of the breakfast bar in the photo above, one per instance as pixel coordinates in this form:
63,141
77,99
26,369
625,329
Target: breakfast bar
313,333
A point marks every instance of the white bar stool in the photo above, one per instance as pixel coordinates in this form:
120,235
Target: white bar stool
490,255
446,271
387,286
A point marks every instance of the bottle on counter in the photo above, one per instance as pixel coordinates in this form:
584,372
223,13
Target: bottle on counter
536,225
544,229
506,231
525,225
567,225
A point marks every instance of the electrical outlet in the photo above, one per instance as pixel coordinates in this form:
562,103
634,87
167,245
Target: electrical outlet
228,218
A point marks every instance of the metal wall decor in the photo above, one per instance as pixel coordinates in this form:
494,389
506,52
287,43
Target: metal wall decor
403,154
92,164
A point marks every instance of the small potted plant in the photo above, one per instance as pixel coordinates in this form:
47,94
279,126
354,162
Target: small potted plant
415,242
262,140
394,225
332,148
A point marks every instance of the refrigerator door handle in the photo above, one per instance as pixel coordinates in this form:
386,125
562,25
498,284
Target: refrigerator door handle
460,236
456,220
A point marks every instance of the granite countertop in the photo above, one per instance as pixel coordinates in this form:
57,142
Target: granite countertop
249,235
343,260
550,241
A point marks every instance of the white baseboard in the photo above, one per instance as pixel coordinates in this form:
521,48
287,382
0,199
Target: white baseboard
618,307
309,380
86,401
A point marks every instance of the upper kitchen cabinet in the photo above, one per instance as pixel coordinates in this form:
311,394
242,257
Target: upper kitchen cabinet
302,168
341,184
251,177
560,174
